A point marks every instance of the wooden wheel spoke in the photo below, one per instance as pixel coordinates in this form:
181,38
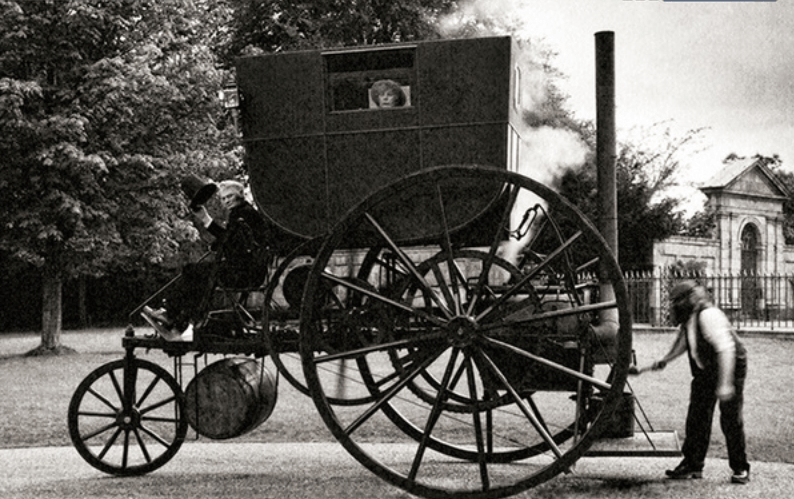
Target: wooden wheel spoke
142,445
160,419
414,355
126,450
148,390
382,299
519,401
548,363
104,400
552,314
392,392
435,413
460,277
154,435
536,410
497,239
99,431
530,275
94,414
110,443
387,265
380,347
458,375
451,293
380,382
157,405
410,267
482,445
117,388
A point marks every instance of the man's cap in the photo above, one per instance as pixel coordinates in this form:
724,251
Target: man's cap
682,289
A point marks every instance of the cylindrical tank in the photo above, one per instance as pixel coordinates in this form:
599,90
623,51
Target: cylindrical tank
230,398
621,422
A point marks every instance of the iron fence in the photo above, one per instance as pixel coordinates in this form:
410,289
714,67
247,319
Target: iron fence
749,300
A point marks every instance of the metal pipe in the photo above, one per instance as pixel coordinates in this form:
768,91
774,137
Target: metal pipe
606,137
608,326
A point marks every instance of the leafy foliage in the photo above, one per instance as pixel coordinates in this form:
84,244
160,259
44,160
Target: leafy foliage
787,178
645,169
701,224
103,106
281,25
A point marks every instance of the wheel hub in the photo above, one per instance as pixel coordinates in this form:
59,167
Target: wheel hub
462,331
128,419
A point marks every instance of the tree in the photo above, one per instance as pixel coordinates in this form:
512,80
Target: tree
787,178
701,224
645,169
104,105
281,25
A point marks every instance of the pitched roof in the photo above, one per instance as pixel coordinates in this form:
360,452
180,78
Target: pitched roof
735,169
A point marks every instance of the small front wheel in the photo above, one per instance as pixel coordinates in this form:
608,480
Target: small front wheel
126,417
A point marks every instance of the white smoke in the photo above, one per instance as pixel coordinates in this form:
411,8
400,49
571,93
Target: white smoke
485,12
546,152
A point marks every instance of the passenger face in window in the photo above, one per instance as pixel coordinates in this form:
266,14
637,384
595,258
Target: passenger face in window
388,99
388,93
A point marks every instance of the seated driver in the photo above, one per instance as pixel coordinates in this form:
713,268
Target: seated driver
241,261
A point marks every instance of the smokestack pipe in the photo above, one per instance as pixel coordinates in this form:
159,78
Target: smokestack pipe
607,329
606,138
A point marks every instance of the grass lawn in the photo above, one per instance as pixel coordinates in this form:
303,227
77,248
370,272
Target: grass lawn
36,393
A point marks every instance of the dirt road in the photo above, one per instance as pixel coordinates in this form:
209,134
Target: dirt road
325,470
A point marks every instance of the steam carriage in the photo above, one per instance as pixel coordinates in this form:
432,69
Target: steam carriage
427,293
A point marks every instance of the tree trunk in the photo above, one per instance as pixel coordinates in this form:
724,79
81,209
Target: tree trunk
82,305
51,317
51,314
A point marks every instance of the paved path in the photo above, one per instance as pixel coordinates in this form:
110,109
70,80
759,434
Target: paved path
325,470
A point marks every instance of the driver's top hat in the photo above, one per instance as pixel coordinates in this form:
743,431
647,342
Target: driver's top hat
198,191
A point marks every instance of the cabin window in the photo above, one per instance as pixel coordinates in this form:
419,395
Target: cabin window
370,80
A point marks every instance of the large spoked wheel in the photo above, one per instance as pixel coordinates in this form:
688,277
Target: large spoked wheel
126,417
485,308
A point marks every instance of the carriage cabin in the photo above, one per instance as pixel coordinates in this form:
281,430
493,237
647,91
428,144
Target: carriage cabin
317,140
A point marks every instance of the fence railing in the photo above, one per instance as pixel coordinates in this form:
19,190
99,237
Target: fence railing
749,300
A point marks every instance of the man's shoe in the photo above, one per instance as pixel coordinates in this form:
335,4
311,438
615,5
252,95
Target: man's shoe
742,477
159,315
187,334
172,334
683,472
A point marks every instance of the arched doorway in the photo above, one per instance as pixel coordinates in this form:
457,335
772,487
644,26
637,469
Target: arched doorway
752,299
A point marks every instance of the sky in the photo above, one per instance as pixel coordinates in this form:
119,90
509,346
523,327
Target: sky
727,66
